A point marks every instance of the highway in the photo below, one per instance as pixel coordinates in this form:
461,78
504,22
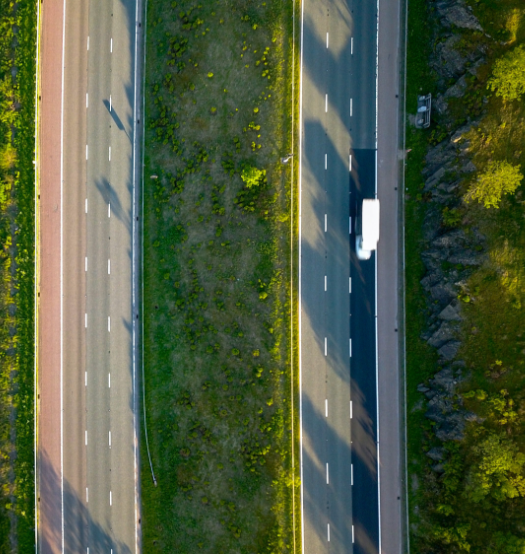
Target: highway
349,347
87,465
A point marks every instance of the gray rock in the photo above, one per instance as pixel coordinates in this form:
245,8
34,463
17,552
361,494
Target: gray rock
432,278
455,13
451,431
443,293
452,239
422,388
11,308
466,257
451,312
455,91
449,350
445,333
434,179
448,62
438,468
469,167
438,156
445,380
432,223
436,453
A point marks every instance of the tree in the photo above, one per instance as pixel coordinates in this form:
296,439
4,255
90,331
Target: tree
500,178
508,75
504,543
499,470
252,176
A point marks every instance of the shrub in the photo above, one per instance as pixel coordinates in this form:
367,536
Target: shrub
500,178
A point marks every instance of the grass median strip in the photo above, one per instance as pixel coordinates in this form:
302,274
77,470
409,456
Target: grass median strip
217,290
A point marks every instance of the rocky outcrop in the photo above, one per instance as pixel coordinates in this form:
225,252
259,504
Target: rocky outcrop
451,255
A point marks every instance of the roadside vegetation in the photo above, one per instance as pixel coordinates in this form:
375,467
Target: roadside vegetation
17,94
219,366
468,494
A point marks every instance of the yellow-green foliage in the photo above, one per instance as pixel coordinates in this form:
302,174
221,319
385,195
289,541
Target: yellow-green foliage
508,75
498,179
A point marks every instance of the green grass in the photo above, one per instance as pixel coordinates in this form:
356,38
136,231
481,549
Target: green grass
445,513
17,95
217,290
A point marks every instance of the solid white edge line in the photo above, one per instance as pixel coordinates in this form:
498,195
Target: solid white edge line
88,42
325,223
109,324
326,407
350,346
326,161
352,46
328,531
350,163
85,438
109,380
349,285
325,283
350,225
327,40
351,108
87,495
111,45
110,439
87,100
87,153
134,255
353,537
327,474
109,267
109,209
85,378
110,153
85,321
326,103
110,499
325,346
300,273
86,205
352,475
351,410
85,264
62,274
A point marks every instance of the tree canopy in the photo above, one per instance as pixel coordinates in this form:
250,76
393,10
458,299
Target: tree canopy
500,178
508,75
252,176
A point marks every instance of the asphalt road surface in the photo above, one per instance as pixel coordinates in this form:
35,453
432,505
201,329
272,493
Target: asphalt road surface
94,487
339,338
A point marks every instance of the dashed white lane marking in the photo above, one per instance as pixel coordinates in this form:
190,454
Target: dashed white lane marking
109,380
325,346
326,161
111,45
350,163
352,475
325,283
325,223
109,323
86,151
85,378
85,264
85,437
86,206
327,40
353,538
110,499
88,43
87,495
109,267
351,107
349,285
351,410
110,439
87,552
328,528
327,475
352,45
110,153
326,103
87,101
350,346
350,225
109,209
110,102
326,407
85,320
